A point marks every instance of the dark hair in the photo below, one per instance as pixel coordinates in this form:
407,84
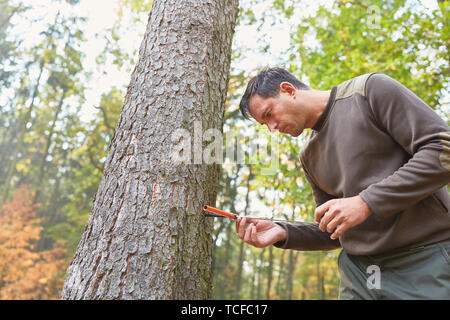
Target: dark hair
267,84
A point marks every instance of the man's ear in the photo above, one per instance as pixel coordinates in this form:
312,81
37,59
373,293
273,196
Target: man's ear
287,87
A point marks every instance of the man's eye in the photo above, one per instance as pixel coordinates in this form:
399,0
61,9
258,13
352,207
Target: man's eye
268,114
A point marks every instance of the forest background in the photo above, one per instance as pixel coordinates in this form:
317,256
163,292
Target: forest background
64,69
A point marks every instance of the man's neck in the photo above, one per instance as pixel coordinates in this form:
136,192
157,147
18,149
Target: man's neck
317,102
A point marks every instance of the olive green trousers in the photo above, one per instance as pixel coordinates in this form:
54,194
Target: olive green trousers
418,273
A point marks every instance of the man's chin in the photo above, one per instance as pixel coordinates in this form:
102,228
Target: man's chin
296,134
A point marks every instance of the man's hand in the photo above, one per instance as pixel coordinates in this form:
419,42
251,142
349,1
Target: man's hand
259,233
339,215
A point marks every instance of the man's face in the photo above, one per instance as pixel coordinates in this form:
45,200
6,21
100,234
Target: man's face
281,113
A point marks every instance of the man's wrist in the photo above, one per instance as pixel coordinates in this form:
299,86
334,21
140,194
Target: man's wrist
367,210
281,235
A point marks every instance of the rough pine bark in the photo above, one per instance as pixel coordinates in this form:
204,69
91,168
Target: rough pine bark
146,237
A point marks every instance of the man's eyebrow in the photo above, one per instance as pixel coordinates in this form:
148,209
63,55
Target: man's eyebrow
263,116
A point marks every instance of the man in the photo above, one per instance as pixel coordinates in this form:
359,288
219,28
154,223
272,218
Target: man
378,162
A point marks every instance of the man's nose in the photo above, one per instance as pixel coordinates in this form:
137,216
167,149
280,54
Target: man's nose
272,126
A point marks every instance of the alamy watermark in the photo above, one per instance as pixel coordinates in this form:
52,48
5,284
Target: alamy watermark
374,17
374,280
211,146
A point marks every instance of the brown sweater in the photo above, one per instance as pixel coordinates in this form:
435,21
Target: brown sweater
378,140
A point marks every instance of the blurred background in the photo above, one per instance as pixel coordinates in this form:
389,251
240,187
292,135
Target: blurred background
64,69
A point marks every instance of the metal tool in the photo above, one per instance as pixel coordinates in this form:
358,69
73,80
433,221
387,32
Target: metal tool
209,211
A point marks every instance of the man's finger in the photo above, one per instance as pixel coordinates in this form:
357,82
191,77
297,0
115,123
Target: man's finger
253,235
326,218
248,234
241,231
334,223
238,223
321,210
339,231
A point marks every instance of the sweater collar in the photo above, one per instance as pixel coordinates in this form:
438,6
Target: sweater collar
326,111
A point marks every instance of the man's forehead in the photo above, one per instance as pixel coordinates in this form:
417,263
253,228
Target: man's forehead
256,106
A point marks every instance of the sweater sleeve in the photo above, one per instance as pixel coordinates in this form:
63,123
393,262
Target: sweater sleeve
421,133
307,236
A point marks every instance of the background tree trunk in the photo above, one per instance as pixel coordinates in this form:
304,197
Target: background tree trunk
20,138
240,267
146,237
281,284
269,273
290,275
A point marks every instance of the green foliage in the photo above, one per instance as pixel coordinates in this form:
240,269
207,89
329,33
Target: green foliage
399,38
45,143
136,6
8,46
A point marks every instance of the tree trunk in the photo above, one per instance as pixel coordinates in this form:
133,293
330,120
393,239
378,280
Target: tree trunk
269,273
48,141
290,275
320,277
224,285
280,284
260,275
253,281
238,285
146,237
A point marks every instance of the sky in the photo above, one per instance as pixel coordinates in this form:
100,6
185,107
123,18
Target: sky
101,14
